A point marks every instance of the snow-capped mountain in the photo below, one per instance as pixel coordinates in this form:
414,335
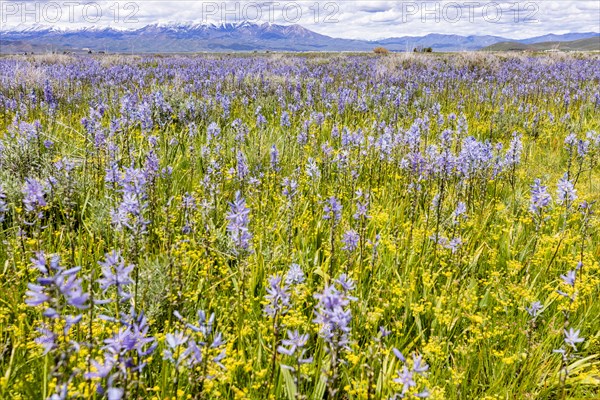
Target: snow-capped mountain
241,36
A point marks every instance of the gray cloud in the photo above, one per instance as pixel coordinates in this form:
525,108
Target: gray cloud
343,18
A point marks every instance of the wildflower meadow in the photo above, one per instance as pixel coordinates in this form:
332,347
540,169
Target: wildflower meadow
278,226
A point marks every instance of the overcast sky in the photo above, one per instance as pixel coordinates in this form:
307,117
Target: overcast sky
348,19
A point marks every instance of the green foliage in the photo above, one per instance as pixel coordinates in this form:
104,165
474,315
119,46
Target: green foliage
463,309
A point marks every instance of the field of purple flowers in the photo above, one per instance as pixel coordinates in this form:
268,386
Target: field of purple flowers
299,227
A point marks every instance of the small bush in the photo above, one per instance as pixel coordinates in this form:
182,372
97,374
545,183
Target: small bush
380,50
423,50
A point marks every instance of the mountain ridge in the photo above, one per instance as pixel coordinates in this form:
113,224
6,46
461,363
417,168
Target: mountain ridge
240,36
587,44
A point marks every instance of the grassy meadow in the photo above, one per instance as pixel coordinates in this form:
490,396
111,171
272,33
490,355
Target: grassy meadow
300,227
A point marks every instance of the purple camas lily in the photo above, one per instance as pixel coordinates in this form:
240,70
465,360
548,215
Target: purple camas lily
188,205
565,191
540,198
293,346
57,287
290,188
278,297
213,131
570,141
295,275
333,210
130,213
408,375
362,205
33,199
333,315
294,342
151,167
572,338
274,154
116,273
46,339
125,352
197,346
535,309
569,278
459,213
513,154
3,205
260,120
239,219
175,351
285,120
242,166
350,239
312,169
59,291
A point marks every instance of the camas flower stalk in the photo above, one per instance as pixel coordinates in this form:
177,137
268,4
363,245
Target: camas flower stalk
115,273
238,219
33,201
571,337
334,316
127,349
65,190
362,216
60,292
570,147
294,275
436,207
274,158
539,201
534,311
333,213
513,157
293,347
408,375
202,348
238,225
351,239
188,207
375,359
586,210
278,304
130,217
242,170
290,190
565,194
125,355
130,214
3,205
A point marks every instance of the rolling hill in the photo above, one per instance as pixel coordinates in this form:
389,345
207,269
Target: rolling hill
589,44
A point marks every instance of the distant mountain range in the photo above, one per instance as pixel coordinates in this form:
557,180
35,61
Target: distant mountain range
242,36
590,44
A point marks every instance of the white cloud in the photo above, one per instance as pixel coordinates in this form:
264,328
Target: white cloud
342,18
